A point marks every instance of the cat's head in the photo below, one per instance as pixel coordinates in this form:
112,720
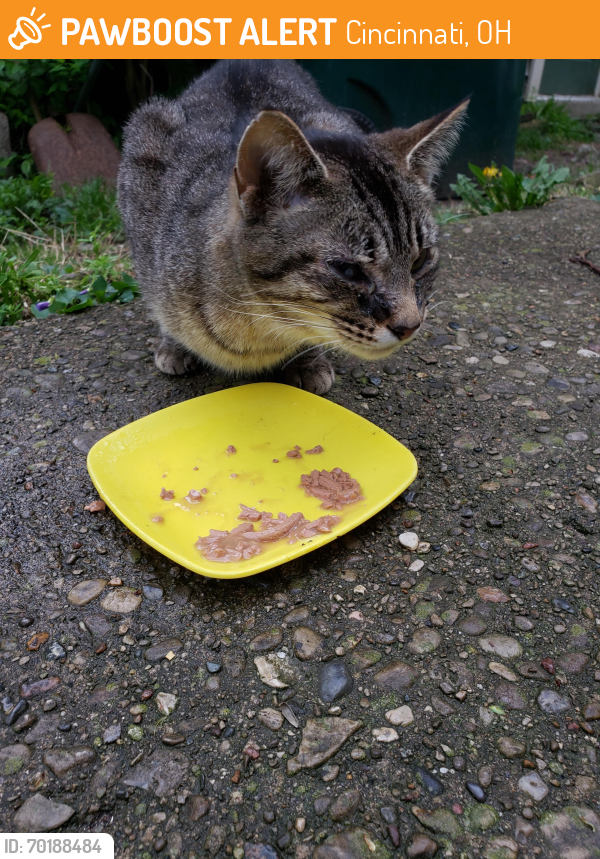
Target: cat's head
335,230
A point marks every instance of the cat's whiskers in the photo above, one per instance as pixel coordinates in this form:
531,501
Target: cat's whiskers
310,349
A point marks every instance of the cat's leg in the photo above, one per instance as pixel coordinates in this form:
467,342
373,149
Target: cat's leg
313,374
174,359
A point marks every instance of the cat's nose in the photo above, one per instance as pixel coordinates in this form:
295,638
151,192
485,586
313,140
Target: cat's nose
403,333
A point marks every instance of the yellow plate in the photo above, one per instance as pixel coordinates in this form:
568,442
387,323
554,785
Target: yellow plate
184,447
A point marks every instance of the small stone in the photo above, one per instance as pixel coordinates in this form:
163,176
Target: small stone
403,716
166,703
421,845
112,734
197,806
501,847
552,703
351,843
122,601
321,804
441,706
25,722
500,645
441,820
424,641
510,747
396,676
271,718
39,687
533,671
321,739
334,681
410,540
85,592
493,595
38,814
308,644
345,805
508,696
13,759
154,593
576,436
297,615
56,651
523,623
573,663
472,625
268,640
431,784
385,735
503,671
484,775
275,670
159,650
533,785
476,791
234,662
563,605
591,711
62,760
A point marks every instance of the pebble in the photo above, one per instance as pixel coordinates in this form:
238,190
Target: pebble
472,625
112,734
86,591
345,805
334,681
307,643
501,645
523,623
424,641
476,791
397,676
385,735
429,782
159,650
510,748
266,641
271,718
166,703
39,814
197,806
421,845
39,687
533,785
508,696
62,760
154,593
321,739
552,703
484,775
122,600
409,540
503,671
402,716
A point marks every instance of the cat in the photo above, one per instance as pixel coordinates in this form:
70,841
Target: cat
268,228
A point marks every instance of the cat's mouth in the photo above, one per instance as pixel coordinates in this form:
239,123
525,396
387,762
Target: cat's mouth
378,343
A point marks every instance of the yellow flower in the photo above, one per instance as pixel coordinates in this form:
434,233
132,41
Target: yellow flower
490,172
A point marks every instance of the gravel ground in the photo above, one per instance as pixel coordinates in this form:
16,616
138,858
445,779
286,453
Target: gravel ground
368,701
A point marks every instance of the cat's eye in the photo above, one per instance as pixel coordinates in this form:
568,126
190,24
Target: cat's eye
420,261
349,271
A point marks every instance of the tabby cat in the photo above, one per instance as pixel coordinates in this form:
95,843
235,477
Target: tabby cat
268,228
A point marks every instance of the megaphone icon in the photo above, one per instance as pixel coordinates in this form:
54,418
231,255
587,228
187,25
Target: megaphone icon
26,32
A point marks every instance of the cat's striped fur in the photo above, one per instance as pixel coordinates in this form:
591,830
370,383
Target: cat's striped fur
264,222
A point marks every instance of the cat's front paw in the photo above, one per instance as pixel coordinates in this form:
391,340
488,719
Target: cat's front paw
173,359
315,375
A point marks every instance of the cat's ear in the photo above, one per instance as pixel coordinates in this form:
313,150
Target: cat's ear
425,147
274,162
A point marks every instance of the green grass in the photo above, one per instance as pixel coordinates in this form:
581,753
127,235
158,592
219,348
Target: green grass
547,125
53,246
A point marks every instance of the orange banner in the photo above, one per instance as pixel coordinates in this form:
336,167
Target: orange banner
332,29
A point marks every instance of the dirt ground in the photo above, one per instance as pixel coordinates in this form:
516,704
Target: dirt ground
444,701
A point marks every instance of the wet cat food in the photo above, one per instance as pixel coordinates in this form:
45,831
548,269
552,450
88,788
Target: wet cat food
167,494
335,488
242,542
316,449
